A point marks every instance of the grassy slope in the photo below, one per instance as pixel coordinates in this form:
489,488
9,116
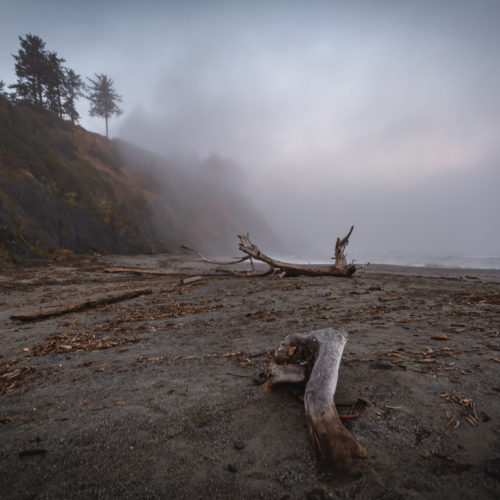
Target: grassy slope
62,187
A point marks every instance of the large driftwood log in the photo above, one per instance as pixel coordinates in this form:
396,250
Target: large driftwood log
338,452
339,268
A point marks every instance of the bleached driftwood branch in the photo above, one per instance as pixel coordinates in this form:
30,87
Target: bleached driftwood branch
337,449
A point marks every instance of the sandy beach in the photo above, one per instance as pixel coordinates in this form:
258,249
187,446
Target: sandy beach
158,396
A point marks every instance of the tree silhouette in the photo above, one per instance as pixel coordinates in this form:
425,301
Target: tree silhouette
53,79
30,69
73,89
103,98
44,81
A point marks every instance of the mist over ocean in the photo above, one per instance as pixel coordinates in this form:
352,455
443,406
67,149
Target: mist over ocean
444,261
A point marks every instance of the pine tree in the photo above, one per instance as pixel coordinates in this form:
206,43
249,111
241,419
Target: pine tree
53,80
103,98
30,70
73,89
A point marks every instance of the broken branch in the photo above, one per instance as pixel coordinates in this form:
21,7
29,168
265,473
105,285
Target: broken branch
211,261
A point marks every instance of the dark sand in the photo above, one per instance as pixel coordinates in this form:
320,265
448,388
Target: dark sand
156,410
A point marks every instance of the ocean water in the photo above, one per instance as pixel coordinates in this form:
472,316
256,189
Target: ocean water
457,262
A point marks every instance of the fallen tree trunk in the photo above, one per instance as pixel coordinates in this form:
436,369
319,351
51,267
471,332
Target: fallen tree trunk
81,306
338,452
339,268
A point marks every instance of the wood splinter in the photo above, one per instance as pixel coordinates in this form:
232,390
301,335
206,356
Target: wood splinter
338,452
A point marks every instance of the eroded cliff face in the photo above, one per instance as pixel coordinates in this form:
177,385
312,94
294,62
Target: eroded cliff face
62,187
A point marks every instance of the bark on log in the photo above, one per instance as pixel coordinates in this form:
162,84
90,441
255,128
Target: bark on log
81,306
338,452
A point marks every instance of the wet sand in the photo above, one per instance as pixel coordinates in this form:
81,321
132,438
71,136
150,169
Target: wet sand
146,398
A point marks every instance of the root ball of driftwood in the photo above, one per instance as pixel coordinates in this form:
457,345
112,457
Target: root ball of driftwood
339,453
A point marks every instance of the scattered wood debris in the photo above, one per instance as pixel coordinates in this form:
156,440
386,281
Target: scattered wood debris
191,279
469,405
16,380
482,298
441,336
78,341
388,298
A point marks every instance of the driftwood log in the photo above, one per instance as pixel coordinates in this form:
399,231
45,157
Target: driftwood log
339,268
81,306
339,453
134,270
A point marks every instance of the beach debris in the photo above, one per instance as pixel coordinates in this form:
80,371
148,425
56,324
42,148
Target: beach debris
480,297
389,298
76,340
232,468
191,279
134,270
471,413
81,306
441,336
453,420
340,268
338,451
12,380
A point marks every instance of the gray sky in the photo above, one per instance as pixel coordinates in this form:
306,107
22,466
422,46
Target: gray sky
382,114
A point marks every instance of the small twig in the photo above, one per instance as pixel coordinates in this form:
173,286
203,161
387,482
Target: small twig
346,417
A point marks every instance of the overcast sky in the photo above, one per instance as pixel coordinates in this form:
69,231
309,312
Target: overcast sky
381,114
